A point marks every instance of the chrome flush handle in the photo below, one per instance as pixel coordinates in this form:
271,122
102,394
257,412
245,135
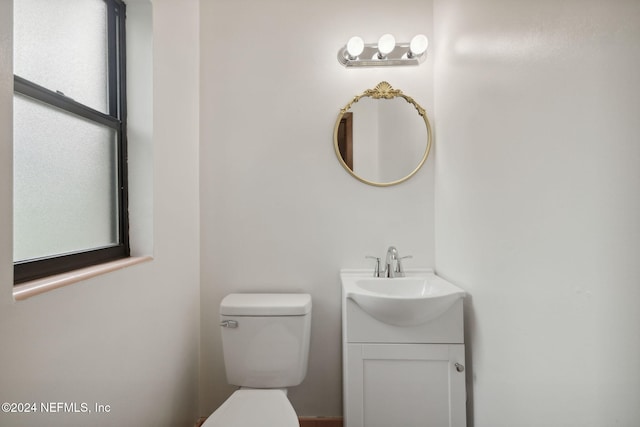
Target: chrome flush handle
229,323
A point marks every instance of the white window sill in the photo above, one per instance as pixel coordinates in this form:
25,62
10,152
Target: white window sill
39,286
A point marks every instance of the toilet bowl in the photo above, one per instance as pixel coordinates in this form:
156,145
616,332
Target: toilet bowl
255,408
265,341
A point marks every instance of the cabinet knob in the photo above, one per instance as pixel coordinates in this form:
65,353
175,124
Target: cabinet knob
459,367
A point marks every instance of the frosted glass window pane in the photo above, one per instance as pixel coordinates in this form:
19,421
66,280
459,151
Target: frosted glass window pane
65,186
62,45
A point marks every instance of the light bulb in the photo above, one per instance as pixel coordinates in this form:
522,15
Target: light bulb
418,45
355,46
386,44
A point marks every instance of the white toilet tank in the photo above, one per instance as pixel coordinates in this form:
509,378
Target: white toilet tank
265,339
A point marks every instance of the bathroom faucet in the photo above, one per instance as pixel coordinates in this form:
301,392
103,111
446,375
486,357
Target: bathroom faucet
392,270
392,265
389,267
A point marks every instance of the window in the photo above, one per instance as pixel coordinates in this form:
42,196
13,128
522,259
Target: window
70,145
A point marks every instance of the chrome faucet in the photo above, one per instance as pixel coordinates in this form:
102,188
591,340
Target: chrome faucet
392,265
392,257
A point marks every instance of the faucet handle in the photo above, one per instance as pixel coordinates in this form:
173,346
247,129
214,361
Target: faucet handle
376,272
399,269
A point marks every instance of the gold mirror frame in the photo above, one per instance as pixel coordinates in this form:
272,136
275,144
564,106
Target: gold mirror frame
382,91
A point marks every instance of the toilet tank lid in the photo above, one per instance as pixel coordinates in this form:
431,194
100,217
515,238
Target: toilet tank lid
266,305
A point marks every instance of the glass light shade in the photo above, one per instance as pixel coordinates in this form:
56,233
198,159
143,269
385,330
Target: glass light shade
418,45
355,46
386,44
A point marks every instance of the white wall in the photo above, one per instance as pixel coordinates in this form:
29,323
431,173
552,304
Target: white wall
279,213
128,339
538,204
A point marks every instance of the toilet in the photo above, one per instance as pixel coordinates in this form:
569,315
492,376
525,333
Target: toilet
265,341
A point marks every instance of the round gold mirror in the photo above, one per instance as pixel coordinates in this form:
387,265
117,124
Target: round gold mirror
382,137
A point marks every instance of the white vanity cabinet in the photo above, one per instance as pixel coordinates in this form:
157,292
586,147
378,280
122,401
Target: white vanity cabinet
403,376
408,385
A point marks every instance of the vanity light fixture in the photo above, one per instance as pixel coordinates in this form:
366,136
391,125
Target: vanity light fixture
386,52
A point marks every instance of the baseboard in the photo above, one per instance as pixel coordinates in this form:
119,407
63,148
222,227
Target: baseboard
321,421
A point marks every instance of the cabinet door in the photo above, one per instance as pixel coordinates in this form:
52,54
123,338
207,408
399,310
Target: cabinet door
404,385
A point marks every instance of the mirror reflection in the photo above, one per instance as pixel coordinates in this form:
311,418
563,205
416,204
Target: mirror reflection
382,137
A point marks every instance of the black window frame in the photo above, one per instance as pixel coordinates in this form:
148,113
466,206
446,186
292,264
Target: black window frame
116,119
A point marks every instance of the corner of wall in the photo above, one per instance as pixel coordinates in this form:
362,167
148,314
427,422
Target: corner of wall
6,151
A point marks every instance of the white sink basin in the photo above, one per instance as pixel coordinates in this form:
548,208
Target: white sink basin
401,301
